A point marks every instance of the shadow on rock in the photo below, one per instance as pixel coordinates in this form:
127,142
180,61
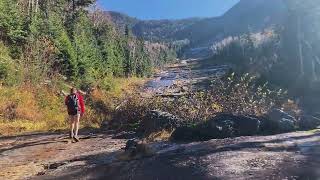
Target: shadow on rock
221,126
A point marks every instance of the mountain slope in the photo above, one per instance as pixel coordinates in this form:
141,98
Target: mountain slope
246,16
121,20
155,30
162,29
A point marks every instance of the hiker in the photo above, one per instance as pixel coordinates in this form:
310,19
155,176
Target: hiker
75,105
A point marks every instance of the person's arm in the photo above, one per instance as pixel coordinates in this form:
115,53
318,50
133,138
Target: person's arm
66,100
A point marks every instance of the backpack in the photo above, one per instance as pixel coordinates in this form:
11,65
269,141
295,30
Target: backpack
73,103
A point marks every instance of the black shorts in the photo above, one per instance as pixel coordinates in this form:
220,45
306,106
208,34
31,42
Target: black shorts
74,113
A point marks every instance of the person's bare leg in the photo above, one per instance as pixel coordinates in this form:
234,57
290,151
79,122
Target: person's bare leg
77,124
72,126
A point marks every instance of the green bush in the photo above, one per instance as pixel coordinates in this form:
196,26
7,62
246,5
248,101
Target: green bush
238,95
10,72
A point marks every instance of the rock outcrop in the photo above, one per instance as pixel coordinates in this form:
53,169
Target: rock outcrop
285,156
309,122
105,125
279,121
157,121
136,149
221,126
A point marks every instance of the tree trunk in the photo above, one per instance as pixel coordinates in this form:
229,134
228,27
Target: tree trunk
314,60
32,6
73,5
37,6
299,36
29,7
314,75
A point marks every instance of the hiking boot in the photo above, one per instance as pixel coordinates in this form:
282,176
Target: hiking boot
76,138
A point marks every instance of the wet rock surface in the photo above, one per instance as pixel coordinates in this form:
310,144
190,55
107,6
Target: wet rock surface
52,156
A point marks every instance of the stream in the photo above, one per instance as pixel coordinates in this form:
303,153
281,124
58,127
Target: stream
183,76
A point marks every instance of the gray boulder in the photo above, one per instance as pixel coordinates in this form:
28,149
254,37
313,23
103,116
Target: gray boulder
286,125
136,149
280,121
309,122
230,125
278,114
105,125
221,126
156,121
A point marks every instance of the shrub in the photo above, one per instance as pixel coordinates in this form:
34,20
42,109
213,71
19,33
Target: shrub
10,72
245,95
239,95
28,108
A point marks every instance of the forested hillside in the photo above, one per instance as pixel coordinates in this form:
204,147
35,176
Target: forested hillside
68,38
47,46
152,30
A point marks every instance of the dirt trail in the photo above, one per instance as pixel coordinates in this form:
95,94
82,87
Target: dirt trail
50,156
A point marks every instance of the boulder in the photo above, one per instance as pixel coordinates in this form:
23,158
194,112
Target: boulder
279,122
309,122
230,125
221,126
131,144
286,125
136,149
277,114
105,125
186,133
156,121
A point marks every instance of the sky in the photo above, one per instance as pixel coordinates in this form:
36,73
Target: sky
168,9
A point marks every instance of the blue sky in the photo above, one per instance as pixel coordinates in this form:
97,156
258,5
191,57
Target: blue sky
168,9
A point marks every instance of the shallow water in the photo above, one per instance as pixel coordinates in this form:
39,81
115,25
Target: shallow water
167,79
157,84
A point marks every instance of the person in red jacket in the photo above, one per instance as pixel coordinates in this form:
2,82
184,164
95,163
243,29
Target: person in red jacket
76,108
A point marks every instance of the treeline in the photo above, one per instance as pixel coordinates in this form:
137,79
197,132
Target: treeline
52,38
254,53
287,55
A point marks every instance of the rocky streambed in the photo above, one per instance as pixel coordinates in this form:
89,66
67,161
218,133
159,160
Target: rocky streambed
182,77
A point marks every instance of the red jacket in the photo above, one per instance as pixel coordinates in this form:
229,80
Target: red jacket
81,102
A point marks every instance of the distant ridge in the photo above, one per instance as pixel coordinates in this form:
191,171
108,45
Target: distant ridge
247,15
